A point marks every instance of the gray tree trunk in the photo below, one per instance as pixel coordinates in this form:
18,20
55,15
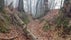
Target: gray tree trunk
1,4
46,5
20,5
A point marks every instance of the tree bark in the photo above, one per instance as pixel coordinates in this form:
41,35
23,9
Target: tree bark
20,5
67,8
1,4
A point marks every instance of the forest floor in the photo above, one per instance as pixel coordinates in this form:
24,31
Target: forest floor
36,28
16,33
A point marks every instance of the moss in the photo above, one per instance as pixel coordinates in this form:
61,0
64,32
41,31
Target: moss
26,20
46,27
3,27
62,23
23,16
4,23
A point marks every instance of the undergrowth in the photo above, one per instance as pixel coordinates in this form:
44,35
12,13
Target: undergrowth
3,26
62,25
4,22
46,27
24,17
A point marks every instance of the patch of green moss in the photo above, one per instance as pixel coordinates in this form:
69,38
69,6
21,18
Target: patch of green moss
26,20
23,16
4,23
3,27
46,27
62,23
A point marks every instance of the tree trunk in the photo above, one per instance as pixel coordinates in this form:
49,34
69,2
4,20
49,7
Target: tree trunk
67,8
1,4
20,5
46,5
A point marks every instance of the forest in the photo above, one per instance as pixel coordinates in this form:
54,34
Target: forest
35,19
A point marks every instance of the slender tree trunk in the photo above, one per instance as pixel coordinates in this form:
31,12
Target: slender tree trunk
1,4
20,5
46,5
